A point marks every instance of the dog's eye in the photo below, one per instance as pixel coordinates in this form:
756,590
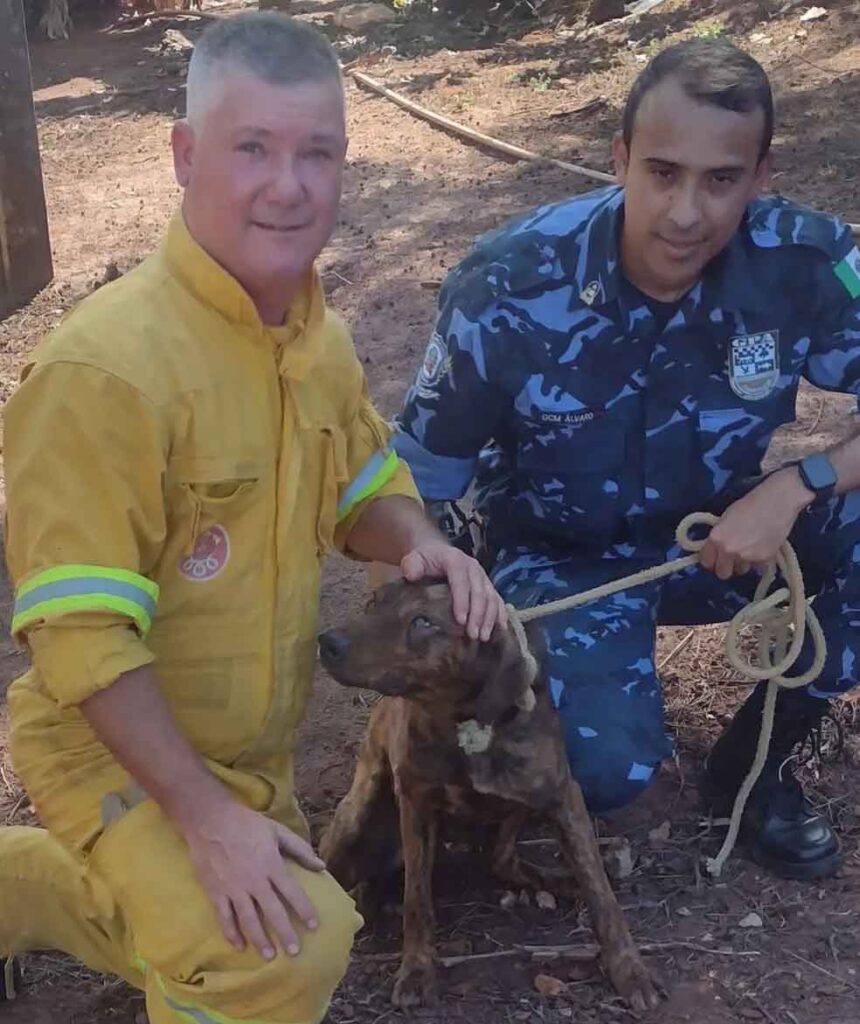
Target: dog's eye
421,622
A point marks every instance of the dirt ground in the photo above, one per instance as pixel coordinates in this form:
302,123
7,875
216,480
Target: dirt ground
414,198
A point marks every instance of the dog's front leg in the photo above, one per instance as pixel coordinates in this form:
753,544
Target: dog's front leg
627,972
416,980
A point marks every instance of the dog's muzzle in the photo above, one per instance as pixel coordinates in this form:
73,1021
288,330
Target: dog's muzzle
333,644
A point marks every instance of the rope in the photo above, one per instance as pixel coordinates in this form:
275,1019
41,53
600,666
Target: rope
783,617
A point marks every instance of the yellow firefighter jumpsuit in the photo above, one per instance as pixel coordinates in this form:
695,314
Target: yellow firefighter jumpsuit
175,472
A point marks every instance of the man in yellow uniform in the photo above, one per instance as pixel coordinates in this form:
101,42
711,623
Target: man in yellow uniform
181,453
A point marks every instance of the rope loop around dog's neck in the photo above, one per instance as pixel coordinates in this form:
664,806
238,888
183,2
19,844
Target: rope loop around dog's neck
782,617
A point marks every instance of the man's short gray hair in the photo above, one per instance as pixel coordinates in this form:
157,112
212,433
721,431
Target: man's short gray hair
278,49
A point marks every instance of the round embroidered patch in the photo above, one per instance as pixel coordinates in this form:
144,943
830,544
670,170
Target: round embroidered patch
434,366
211,553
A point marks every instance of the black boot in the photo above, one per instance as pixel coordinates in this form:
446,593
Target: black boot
779,827
10,978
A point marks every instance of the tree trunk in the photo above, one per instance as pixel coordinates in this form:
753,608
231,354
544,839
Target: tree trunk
25,251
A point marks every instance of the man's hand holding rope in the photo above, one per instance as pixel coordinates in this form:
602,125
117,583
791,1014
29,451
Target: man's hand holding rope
753,528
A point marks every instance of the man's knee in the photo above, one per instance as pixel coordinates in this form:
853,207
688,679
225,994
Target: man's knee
191,967
316,972
614,785
239,985
613,763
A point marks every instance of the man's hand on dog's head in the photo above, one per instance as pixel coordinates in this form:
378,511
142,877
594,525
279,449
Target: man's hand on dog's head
476,604
394,530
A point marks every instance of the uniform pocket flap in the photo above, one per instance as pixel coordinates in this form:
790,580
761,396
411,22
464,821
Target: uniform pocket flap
198,469
715,421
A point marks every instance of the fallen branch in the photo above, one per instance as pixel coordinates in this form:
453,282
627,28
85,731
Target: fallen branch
584,954
473,135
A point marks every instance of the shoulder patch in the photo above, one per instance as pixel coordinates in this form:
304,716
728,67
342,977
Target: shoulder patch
523,253
434,366
848,272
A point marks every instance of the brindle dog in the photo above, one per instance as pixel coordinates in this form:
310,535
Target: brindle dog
460,734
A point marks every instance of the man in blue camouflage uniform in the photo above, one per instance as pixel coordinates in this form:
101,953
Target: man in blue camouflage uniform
619,359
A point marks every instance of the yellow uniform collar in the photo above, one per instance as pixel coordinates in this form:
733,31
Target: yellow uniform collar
298,342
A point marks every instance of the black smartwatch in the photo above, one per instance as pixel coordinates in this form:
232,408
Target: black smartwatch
818,475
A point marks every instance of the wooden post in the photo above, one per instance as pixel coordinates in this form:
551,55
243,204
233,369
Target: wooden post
25,249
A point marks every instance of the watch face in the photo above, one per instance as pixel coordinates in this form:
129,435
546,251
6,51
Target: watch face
818,472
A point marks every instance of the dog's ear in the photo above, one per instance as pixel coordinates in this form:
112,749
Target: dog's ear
506,676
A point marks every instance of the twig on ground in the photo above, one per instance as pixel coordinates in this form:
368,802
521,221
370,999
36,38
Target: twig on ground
826,71
585,953
823,970
497,954
676,649
384,1016
601,841
750,998
17,807
682,778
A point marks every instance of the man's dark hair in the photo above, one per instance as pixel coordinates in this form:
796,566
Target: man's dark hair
712,71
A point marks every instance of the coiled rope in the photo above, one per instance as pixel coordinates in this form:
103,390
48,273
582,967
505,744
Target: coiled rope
783,617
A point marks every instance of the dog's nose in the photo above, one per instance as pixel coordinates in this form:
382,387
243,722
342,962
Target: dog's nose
334,643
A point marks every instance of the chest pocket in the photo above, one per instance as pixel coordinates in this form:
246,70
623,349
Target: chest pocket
568,478
220,515
733,439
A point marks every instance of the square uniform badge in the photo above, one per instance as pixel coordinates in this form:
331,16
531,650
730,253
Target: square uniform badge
754,365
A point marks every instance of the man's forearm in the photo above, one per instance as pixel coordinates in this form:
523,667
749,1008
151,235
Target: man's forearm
390,528
134,722
845,458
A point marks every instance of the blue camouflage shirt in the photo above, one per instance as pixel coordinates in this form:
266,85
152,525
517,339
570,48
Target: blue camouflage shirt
607,428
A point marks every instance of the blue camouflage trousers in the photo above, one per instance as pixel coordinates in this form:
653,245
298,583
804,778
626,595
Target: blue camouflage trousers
600,657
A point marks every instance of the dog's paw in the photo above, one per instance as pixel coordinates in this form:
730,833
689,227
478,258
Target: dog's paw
415,986
632,980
